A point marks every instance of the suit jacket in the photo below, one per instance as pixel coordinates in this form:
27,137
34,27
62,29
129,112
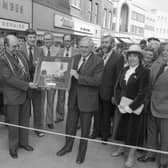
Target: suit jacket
110,75
74,51
136,88
159,94
37,56
85,89
15,82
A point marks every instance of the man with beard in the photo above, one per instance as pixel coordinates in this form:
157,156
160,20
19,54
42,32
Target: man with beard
112,65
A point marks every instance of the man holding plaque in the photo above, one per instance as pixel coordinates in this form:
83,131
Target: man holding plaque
67,51
49,51
34,54
83,96
16,77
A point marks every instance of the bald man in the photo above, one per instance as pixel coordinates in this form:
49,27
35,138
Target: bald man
83,96
15,75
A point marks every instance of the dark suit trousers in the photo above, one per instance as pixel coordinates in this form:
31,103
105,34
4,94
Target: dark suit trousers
60,104
102,119
157,127
74,114
18,115
36,98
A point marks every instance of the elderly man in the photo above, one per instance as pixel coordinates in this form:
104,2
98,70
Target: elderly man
15,75
83,96
49,50
33,54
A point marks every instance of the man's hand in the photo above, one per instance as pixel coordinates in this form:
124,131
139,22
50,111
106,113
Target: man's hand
75,74
32,85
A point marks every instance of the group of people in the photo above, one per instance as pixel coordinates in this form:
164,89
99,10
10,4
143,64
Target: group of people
123,90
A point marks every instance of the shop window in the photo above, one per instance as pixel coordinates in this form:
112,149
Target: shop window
110,20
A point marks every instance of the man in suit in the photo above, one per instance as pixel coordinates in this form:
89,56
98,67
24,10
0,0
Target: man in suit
15,75
112,62
67,51
50,51
34,54
83,96
157,132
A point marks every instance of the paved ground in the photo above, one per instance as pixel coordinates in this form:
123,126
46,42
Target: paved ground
44,155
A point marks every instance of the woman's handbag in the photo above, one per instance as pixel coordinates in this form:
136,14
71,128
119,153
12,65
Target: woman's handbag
126,102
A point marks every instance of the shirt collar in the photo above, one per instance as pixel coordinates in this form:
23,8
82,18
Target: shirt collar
86,58
133,68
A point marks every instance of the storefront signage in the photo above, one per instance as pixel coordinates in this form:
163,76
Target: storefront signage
63,22
13,25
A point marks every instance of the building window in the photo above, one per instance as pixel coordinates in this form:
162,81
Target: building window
96,13
75,3
138,17
114,11
110,20
113,26
90,10
105,17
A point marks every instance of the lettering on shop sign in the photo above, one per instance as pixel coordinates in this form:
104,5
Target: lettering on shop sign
61,21
85,29
8,24
11,6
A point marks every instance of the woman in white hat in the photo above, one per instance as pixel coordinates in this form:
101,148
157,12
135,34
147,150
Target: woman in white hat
130,92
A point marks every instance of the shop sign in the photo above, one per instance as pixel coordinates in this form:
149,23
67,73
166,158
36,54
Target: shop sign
83,27
13,25
63,22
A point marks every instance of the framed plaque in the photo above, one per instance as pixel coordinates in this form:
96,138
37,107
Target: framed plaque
54,72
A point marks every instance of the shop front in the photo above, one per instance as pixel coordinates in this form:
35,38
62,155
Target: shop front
15,17
60,23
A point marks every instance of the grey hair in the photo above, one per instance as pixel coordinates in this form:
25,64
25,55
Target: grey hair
89,39
48,33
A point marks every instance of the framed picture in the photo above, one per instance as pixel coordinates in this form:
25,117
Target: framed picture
54,72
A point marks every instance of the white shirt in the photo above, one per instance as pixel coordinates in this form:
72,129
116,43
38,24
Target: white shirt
106,57
81,60
69,52
53,50
129,72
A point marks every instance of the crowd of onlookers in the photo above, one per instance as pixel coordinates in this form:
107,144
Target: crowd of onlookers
123,88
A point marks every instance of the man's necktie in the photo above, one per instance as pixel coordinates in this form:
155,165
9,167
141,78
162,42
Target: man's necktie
67,52
31,65
30,56
49,52
82,64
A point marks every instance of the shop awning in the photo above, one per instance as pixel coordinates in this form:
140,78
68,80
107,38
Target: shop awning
126,40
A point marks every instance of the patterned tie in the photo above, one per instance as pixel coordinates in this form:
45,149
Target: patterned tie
49,52
67,52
